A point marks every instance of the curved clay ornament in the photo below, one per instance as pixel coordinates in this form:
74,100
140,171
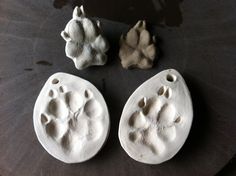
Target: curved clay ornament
85,44
71,118
137,48
157,118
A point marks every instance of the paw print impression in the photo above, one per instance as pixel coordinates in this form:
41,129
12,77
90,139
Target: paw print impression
85,44
72,119
154,123
137,47
156,119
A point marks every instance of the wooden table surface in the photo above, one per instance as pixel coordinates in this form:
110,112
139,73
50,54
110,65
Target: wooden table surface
198,38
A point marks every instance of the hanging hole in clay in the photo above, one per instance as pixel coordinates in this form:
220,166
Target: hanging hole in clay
171,78
55,81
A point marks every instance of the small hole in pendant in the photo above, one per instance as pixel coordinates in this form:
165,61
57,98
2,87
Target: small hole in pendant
171,78
55,81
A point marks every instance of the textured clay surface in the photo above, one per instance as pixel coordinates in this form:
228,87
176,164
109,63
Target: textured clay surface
202,49
85,44
156,119
70,118
137,47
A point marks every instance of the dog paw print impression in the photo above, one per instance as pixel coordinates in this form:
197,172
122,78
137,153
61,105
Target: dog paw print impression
157,118
137,48
85,44
71,118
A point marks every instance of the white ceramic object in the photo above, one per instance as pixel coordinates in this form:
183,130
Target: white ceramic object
85,44
157,118
71,118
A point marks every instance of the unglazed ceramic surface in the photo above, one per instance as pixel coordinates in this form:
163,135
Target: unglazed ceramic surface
137,47
71,119
85,44
157,118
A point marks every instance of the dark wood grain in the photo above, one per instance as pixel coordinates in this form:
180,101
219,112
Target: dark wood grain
202,49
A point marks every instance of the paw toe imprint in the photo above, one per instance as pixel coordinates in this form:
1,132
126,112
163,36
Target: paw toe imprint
167,134
65,141
149,139
57,108
92,108
138,120
134,136
166,114
51,129
74,101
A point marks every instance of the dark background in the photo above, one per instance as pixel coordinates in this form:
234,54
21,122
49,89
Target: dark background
198,38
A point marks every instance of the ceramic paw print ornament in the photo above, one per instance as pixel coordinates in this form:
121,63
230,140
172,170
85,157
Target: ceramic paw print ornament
71,118
85,44
157,118
137,48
